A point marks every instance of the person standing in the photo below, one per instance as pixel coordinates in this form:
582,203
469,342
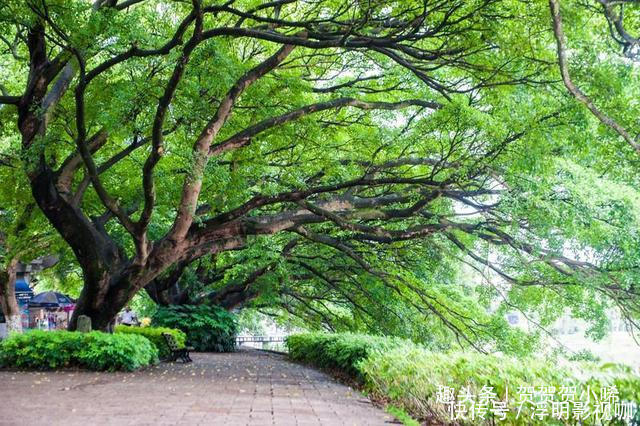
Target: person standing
129,317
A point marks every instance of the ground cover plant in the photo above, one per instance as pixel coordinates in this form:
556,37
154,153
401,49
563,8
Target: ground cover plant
47,350
411,377
154,334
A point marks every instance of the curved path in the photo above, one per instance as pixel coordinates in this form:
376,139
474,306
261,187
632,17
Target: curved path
244,388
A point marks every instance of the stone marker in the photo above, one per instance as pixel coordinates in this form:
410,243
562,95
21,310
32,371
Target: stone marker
84,324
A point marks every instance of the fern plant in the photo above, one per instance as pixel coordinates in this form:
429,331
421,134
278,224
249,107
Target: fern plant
208,328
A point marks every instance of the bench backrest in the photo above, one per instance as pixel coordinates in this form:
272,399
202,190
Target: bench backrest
171,341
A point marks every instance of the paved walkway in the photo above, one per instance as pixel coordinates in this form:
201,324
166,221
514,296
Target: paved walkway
244,388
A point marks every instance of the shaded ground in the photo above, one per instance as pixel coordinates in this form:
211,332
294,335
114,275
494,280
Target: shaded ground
244,388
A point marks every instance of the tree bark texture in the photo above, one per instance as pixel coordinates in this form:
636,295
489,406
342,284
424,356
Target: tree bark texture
8,301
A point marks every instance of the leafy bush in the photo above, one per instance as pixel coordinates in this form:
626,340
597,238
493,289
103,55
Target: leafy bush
44,350
154,334
342,352
409,376
584,355
208,328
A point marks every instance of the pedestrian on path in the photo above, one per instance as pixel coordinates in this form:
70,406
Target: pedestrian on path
129,317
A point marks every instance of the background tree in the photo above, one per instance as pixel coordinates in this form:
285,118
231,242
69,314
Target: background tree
602,75
24,233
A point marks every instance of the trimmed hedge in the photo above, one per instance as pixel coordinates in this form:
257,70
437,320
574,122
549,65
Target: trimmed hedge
208,328
46,350
342,352
154,334
409,376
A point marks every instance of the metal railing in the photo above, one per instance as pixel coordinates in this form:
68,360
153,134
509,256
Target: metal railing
259,339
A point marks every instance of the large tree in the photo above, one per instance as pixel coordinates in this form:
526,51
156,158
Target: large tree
351,135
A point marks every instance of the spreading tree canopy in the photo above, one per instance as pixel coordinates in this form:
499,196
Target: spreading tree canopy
338,160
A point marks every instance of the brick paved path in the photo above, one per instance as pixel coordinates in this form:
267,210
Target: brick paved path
244,388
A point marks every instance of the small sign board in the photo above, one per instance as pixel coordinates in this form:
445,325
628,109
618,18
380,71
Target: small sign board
23,297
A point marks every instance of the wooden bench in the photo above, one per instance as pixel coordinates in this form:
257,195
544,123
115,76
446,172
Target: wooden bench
176,352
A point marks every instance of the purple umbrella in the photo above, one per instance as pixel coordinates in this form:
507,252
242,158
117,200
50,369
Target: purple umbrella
50,299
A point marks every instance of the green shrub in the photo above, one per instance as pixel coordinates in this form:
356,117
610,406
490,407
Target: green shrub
401,416
584,355
208,328
154,334
44,350
409,376
341,352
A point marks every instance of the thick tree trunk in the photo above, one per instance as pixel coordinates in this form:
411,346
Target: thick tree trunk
110,278
165,296
94,302
107,290
167,290
228,298
236,295
8,302
231,297
102,299
103,263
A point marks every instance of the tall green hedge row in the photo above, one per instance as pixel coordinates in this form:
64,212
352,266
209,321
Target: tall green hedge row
342,352
46,350
154,334
410,376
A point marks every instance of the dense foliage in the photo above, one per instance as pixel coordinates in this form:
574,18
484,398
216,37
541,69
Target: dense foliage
410,376
45,350
340,352
410,168
154,334
207,328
